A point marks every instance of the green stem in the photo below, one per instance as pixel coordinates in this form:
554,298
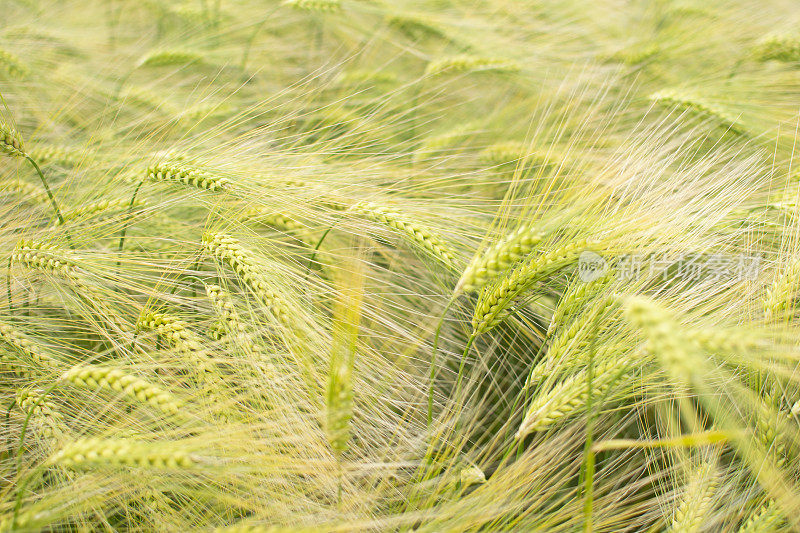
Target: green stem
52,198
130,210
432,376
589,457
316,248
8,284
21,492
463,362
525,395
339,488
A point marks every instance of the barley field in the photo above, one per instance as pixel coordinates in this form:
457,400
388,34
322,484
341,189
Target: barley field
399,265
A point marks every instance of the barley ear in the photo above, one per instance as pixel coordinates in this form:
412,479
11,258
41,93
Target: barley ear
114,379
570,395
697,500
11,142
766,518
499,258
423,238
346,325
90,452
314,5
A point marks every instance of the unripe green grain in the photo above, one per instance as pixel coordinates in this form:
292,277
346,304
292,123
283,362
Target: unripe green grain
460,64
34,193
690,102
170,58
780,296
778,47
177,333
228,250
569,396
767,518
423,238
495,303
665,338
66,155
499,258
13,65
187,175
114,379
44,257
314,5
10,141
39,361
99,207
507,152
123,452
575,297
51,422
416,25
697,500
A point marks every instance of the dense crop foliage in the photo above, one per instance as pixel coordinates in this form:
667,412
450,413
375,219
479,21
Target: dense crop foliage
429,265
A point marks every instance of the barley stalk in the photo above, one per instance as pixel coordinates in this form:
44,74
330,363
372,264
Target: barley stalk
575,297
11,142
665,338
13,65
725,340
44,257
34,193
510,152
66,155
47,258
780,296
778,48
634,55
346,325
223,306
416,25
177,333
446,139
559,361
148,100
229,324
169,58
94,208
11,145
274,219
471,475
